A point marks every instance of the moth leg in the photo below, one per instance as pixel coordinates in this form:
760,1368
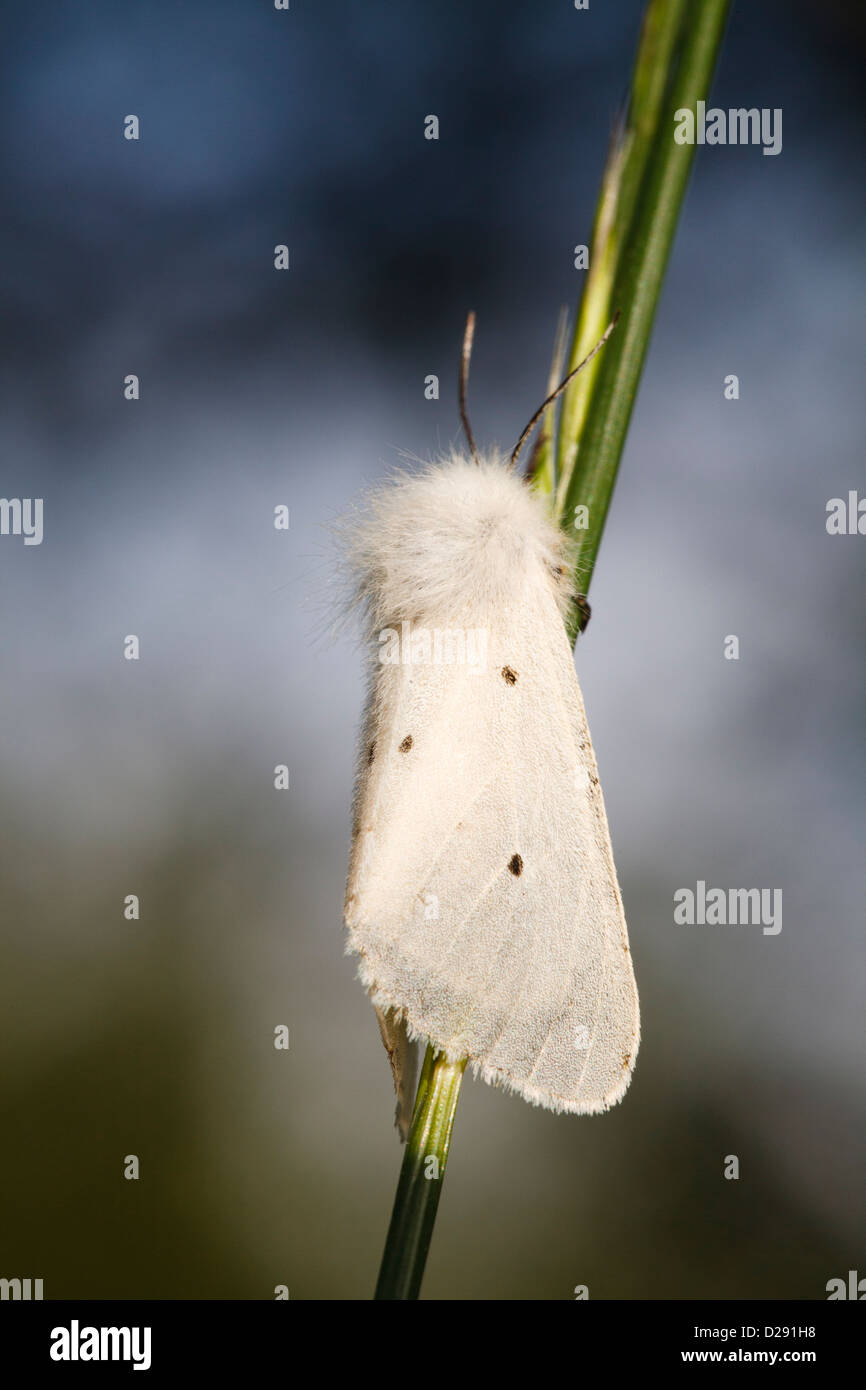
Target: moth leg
403,1056
581,603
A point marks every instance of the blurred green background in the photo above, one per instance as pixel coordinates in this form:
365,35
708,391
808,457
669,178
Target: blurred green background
262,1167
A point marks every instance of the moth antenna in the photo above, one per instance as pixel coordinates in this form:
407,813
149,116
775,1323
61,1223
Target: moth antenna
466,354
561,387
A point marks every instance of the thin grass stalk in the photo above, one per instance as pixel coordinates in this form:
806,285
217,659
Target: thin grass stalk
637,285
639,203
421,1175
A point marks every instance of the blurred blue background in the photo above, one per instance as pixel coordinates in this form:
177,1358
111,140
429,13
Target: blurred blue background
261,1167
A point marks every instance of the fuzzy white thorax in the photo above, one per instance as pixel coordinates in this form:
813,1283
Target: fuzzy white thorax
458,538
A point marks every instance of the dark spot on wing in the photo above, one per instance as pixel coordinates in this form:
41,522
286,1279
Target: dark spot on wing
372,752
515,864
509,675
406,744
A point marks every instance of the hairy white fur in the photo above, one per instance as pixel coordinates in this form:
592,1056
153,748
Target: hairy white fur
482,897
457,538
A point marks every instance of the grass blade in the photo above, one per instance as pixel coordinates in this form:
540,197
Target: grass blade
636,217
640,263
421,1175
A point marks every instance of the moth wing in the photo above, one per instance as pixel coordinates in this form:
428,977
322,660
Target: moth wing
482,896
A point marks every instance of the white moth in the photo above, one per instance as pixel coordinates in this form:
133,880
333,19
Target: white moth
482,896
